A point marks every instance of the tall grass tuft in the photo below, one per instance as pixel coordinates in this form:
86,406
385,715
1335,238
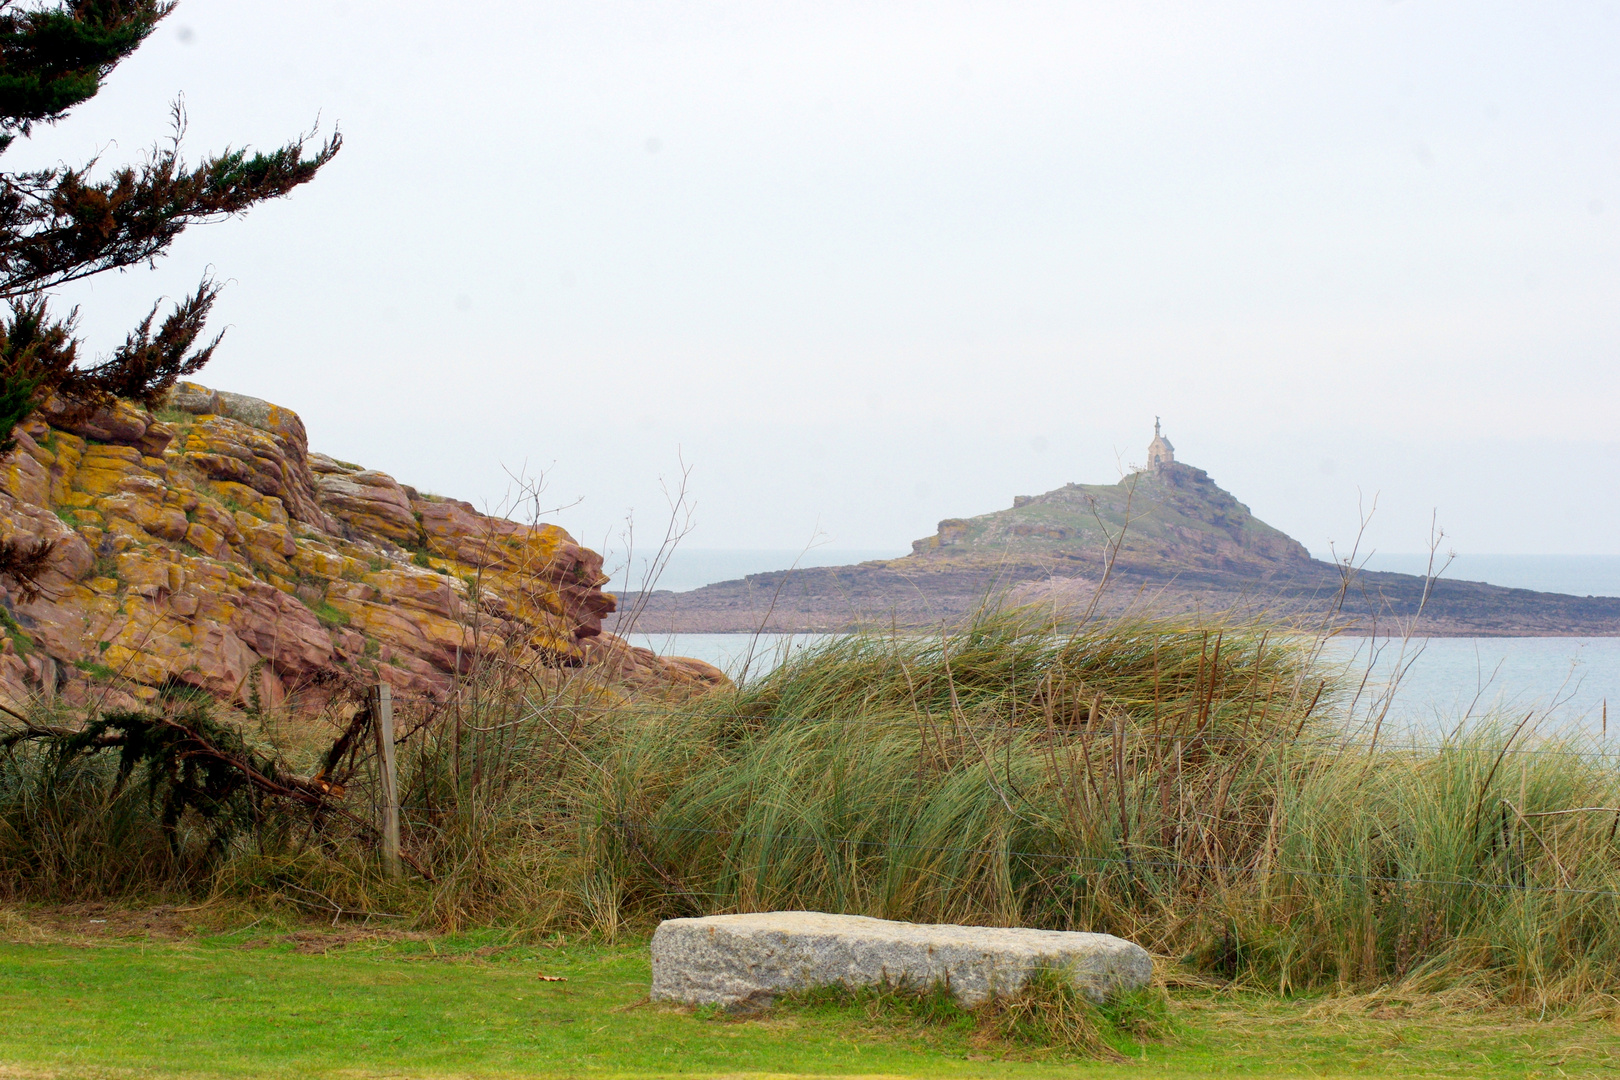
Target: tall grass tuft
1194,788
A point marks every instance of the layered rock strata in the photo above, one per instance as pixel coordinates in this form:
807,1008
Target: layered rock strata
209,547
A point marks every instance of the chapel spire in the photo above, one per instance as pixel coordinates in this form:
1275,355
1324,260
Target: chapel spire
1160,452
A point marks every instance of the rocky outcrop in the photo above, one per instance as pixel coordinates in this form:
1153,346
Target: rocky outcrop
1174,515
210,548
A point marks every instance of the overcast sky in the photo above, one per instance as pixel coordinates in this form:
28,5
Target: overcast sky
865,266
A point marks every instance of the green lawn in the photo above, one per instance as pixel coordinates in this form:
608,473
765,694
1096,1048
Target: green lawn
115,999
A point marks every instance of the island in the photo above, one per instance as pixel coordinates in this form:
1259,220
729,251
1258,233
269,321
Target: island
1165,538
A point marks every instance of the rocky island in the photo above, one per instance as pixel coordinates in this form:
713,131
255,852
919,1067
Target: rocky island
1166,537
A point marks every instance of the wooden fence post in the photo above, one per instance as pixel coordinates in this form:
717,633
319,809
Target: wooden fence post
383,713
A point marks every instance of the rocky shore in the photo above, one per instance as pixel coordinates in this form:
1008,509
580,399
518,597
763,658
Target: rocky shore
207,546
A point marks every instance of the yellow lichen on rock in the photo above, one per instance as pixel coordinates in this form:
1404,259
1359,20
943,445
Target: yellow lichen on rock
219,552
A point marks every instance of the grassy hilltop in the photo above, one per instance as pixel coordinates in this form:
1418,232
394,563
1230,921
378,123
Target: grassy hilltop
1174,514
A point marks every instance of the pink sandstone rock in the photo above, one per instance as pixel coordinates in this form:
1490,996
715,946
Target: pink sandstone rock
218,551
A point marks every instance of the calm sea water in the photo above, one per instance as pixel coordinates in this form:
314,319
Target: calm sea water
1443,681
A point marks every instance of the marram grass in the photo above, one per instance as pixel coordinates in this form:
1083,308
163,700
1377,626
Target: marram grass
1190,788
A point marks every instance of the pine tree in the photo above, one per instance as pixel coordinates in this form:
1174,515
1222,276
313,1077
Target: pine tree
61,224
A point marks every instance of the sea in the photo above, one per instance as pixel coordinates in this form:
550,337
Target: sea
1423,688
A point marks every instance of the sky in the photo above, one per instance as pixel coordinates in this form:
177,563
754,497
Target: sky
856,267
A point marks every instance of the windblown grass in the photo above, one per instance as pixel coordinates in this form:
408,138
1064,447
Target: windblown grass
1191,788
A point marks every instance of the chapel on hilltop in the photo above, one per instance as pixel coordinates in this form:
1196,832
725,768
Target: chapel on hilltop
1160,452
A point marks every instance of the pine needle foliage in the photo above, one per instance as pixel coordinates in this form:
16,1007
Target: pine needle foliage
187,762
69,222
55,57
77,797
35,352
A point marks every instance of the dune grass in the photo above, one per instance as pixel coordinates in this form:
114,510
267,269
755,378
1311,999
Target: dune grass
1193,788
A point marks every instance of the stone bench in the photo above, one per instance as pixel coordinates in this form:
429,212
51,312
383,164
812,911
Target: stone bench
733,959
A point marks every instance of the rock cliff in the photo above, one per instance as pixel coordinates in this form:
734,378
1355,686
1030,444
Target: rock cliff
207,546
